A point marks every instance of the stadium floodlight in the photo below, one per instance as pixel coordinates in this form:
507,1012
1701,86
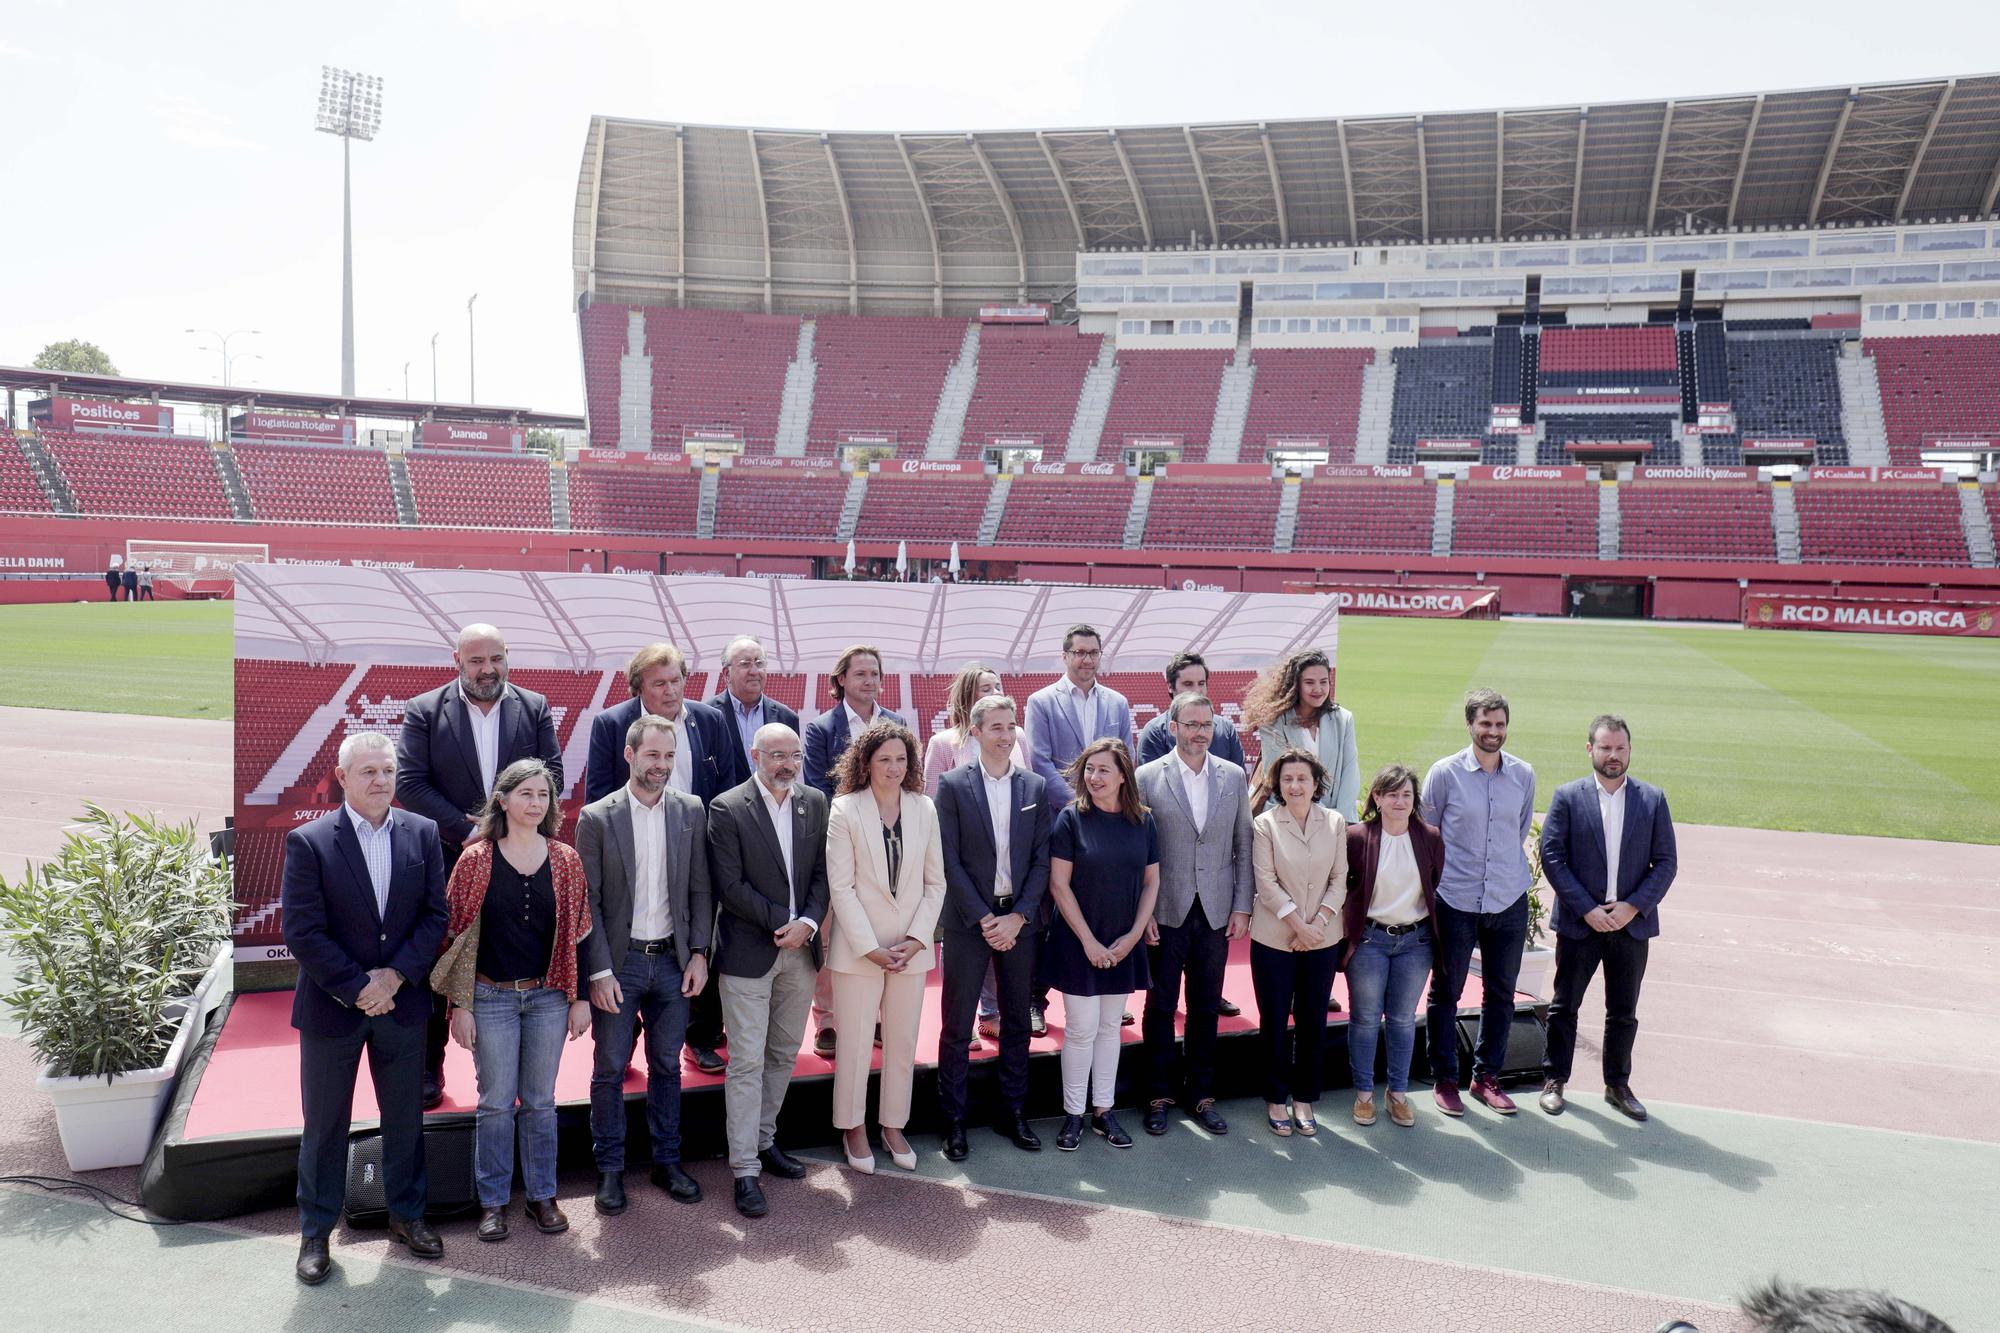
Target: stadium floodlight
350,107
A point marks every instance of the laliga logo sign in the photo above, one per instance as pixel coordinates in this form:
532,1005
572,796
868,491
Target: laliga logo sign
1189,585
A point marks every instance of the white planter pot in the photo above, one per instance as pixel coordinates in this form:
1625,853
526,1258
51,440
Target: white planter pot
110,1122
1537,975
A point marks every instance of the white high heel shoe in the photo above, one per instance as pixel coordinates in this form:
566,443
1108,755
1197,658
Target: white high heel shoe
865,1164
906,1160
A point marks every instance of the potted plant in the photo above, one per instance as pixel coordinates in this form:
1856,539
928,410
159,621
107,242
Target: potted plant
1538,959
121,944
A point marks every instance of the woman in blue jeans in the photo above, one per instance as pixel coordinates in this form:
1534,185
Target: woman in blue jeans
521,896
1393,862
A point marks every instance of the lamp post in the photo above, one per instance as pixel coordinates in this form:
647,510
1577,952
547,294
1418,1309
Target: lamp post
471,357
406,381
434,369
228,379
350,107
224,338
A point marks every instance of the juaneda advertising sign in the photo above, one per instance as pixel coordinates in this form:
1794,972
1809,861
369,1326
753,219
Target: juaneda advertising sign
70,413
470,435
1861,616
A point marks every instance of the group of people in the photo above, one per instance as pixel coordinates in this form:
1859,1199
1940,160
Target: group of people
734,875
135,582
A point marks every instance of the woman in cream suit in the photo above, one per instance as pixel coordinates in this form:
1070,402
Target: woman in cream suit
885,868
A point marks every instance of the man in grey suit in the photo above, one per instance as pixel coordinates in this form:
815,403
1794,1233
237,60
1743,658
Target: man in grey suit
767,850
652,916
1201,807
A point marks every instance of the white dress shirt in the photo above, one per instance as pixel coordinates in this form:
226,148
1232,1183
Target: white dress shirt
1195,782
650,918
375,854
780,810
1000,809
485,737
1084,702
855,722
1611,808
682,778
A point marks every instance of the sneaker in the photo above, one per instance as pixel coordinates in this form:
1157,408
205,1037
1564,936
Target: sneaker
1038,1026
1487,1090
1070,1134
1445,1094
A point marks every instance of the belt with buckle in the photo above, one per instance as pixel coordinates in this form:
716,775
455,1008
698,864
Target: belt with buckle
1003,904
525,983
1398,930
653,946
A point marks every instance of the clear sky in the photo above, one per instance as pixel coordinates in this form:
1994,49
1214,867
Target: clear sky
164,172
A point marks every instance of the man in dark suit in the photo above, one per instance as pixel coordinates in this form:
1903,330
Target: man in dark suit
857,684
456,739
744,706
1608,848
111,580
130,580
364,914
1187,673
994,823
767,859
657,677
645,857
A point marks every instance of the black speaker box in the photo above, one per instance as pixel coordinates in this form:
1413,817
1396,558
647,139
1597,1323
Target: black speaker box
1527,1041
447,1168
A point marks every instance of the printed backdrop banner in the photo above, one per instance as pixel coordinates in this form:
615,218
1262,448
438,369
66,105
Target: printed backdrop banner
324,652
1861,616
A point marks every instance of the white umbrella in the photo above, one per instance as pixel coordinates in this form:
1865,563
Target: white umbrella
850,557
954,560
902,557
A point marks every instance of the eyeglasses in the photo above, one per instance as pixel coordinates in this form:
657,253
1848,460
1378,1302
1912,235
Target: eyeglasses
1087,654
757,663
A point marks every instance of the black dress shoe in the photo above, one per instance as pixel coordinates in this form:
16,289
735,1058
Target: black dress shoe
433,1090
750,1198
547,1216
1228,1008
677,1183
1156,1117
1125,1020
315,1264
493,1223
610,1192
417,1236
780,1163
1209,1118
1017,1129
956,1149
1620,1096
1070,1134
1114,1133
705,1058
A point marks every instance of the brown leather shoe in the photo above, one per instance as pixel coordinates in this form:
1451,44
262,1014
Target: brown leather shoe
1400,1110
493,1223
1620,1096
1487,1090
418,1236
1552,1096
1364,1110
824,1042
547,1217
1446,1096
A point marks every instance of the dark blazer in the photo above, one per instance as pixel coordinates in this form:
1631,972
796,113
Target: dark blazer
738,772
966,827
604,840
606,770
1364,847
437,763
1155,740
748,872
826,740
1573,856
334,931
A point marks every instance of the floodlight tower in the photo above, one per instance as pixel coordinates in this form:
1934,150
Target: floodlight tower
350,106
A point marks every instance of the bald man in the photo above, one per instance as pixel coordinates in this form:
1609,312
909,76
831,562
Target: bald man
455,740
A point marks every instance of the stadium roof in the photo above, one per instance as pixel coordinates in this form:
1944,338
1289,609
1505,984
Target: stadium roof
806,220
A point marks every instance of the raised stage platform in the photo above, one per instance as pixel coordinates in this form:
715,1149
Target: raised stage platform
230,1141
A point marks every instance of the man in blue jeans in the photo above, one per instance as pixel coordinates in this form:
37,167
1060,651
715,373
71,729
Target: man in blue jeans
652,916
1482,800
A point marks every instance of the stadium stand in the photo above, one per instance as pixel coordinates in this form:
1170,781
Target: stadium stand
308,483
1365,517
1935,388
1515,518
879,377
1060,511
1887,525
20,492
477,490
287,693
629,498
603,348
1712,366
1213,515
779,504
1306,392
1615,354
717,370
923,509
140,474
1164,393
1030,376
1562,429
1662,521
1790,388
1442,392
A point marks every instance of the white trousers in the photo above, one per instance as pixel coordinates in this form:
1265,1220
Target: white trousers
1091,1039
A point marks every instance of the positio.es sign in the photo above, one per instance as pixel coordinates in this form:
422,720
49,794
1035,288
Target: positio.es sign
63,413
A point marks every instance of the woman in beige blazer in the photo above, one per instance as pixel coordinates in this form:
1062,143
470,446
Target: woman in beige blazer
885,868
1298,861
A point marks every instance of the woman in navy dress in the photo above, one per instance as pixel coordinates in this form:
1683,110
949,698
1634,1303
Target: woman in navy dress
1104,873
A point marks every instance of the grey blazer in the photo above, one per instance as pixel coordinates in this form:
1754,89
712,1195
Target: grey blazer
1213,865
1335,748
604,841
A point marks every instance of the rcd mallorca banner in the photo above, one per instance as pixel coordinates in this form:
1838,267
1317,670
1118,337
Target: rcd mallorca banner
1860,616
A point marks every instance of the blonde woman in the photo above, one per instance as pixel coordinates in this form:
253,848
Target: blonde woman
955,744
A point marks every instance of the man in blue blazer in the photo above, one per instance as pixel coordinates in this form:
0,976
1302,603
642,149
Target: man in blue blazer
991,904
744,706
364,915
455,741
1608,848
1074,711
1187,673
657,677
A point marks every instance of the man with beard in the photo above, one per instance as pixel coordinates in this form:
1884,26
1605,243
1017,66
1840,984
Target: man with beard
456,739
1483,803
1608,848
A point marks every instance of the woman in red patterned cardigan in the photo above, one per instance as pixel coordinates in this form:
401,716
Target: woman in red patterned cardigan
519,898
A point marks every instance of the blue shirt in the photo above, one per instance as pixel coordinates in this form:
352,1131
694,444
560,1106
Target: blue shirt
375,845
748,721
1485,818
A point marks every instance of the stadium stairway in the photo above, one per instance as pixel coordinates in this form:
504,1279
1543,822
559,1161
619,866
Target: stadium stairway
1607,520
1978,525
955,398
1093,404
635,387
996,509
1135,517
1378,401
399,486
232,484
1861,408
1785,522
1443,513
850,506
1288,515
1232,403
54,486
704,514
559,496
796,408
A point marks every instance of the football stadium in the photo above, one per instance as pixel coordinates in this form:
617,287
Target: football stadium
1299,591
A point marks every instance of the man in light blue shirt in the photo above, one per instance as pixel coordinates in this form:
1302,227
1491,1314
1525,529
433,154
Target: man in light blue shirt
1482,800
